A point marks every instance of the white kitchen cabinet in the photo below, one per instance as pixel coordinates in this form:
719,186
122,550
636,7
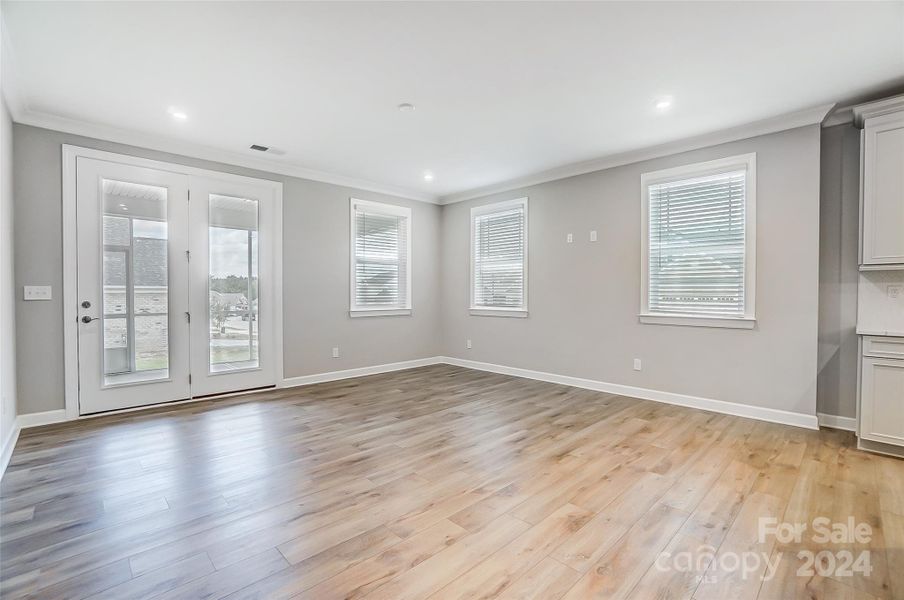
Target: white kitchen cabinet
882,390
882,185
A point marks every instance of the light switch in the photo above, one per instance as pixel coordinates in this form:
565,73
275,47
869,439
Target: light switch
569,238
593,235
37,292
894,291
336,352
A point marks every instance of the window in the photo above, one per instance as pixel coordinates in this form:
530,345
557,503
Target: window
499,259
233,303
380,259
135,282
699,244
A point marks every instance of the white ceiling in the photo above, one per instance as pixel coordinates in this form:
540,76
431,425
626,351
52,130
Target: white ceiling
502,90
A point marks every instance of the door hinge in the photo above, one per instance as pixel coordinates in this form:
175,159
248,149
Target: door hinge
189,379
188,316
188,255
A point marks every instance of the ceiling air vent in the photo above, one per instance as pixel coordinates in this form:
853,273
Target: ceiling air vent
259,148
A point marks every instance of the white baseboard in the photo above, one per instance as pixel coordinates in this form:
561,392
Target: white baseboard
24,422
9,445
772,415
836,422
58,416
42,418
729,408
360,371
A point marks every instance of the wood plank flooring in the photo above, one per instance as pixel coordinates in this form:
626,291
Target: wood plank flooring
441,483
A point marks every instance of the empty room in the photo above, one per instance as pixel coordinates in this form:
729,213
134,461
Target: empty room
447,300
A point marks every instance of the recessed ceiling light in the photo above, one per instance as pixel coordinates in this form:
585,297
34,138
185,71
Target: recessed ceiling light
406,107
664,103
428,176
177,114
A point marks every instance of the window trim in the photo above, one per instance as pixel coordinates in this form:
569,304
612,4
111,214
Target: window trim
702,169
385,209
498,311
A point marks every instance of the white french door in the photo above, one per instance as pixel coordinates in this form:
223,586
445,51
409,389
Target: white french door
232,299
133,336
175,278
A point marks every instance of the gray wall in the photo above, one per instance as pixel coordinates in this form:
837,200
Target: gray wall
315,274
838,270
7,287
584,297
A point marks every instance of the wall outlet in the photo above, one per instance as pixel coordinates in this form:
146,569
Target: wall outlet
37,292
336,352
637,365
895,291
569,238
469,344
593,235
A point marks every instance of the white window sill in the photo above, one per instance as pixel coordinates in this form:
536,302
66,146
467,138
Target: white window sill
379,312
693,321
498,312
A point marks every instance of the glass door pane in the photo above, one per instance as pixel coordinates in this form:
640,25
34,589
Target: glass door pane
233,283
135,283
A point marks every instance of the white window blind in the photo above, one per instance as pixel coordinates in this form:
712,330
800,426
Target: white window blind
380,257
499,249
697,246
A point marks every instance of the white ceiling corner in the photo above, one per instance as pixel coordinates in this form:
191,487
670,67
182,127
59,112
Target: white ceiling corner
801,118
536,91
199,151
9,86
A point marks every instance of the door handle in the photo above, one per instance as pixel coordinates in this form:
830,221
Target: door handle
87,319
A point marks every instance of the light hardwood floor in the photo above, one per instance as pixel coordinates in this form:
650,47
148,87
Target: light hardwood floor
438,482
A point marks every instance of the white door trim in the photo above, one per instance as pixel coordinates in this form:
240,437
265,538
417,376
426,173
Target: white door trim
70,154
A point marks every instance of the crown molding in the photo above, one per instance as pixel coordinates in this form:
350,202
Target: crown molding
877,109
801,118
200,151
840,116
21,112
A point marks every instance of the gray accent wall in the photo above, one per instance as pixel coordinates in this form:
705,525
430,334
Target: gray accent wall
7,285
839,239
584,297
315,271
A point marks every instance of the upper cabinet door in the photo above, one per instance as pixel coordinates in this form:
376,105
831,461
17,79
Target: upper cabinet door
883,190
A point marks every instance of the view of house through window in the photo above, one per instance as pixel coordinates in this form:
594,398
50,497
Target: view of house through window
381,266
499,256
699,240
233,299
135,286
